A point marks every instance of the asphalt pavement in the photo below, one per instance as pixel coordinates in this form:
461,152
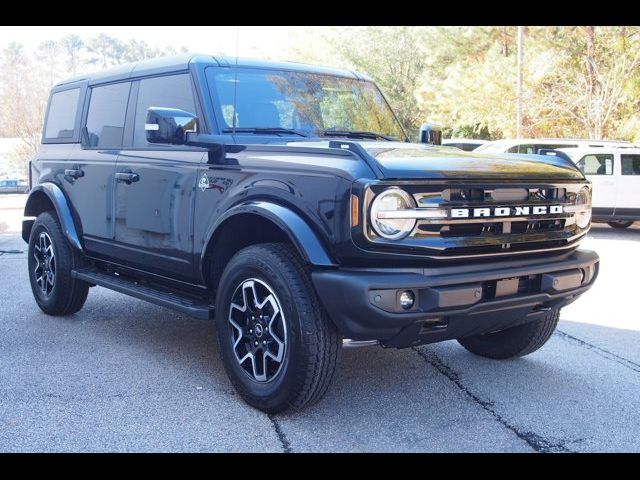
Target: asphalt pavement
125,375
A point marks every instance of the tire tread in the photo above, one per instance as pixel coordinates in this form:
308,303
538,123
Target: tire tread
513,342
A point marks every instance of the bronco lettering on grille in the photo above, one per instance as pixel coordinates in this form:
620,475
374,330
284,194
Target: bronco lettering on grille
506,211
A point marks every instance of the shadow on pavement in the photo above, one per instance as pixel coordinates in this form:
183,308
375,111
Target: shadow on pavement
605,232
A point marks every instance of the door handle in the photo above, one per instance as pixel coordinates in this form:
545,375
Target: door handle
127,177
74,173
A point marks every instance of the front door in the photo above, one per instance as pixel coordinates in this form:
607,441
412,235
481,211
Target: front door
155,187
628,191
599,169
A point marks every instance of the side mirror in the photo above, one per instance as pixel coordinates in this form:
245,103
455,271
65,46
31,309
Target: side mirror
169,125
430,134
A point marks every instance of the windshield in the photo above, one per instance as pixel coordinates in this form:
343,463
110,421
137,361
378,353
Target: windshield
309,103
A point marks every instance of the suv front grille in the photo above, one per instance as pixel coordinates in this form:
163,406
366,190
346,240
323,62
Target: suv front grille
474,235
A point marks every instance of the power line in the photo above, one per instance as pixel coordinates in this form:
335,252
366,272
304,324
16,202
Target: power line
519,94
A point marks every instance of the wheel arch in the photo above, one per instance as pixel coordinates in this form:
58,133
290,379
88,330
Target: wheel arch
259,222
50,197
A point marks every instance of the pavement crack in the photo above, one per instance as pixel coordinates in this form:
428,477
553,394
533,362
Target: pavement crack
282,437
600,351
535,441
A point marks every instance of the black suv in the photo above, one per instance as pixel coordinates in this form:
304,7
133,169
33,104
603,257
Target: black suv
286,202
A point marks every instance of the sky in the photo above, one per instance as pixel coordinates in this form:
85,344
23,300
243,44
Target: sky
264,41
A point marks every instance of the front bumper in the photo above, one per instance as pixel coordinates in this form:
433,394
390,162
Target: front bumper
451,302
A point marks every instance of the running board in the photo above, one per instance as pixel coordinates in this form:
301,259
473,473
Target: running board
153,294
348,343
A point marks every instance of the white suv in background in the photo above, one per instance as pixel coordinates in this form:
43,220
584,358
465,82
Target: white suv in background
534,145
615,175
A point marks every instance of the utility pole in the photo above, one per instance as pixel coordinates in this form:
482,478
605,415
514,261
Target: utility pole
519,98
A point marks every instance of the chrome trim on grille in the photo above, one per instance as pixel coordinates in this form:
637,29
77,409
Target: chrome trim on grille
414,213
440,216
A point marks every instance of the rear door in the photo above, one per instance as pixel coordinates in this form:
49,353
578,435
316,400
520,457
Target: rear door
628,191
599,169
88,174
154,211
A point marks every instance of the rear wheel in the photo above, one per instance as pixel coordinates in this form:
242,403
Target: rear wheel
51,260
620,223
516,341
278,346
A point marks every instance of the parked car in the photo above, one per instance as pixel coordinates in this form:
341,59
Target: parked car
615,175
13,186
534,145
284,202
466,144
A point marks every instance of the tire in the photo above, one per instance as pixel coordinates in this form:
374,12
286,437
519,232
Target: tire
301,337
620,224
513,342
59,293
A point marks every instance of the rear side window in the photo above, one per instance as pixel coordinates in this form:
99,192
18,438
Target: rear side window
553,147
534,148
599,164
522,149
61,119
630,164
107,110
173,91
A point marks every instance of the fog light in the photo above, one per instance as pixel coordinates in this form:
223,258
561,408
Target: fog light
407,299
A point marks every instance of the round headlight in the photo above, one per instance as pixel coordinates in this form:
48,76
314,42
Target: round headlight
382,218
583,216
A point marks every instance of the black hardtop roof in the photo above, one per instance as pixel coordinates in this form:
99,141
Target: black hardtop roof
182,62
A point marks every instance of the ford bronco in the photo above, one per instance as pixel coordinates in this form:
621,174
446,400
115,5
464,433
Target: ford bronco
286,203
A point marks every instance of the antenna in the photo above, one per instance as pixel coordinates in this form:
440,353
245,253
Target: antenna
235,83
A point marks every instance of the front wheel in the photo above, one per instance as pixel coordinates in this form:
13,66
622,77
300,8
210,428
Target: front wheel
278,346
620,224
516,341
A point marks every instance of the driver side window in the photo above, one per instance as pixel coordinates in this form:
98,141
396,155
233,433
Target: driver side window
598,164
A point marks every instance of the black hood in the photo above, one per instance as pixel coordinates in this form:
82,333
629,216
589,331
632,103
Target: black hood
409,160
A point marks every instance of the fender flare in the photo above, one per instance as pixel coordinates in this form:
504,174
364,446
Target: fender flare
60,203
297,229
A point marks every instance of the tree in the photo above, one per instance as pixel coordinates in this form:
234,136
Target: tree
139,50
469,83
47,55
593,80
23,98
72,46
105,51
394,57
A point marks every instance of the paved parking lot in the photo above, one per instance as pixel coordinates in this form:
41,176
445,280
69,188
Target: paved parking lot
124,375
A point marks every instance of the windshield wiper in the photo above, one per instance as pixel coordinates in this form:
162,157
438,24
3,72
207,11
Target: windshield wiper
267,131
356,134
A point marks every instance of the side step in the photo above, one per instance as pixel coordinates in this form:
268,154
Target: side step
151,293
